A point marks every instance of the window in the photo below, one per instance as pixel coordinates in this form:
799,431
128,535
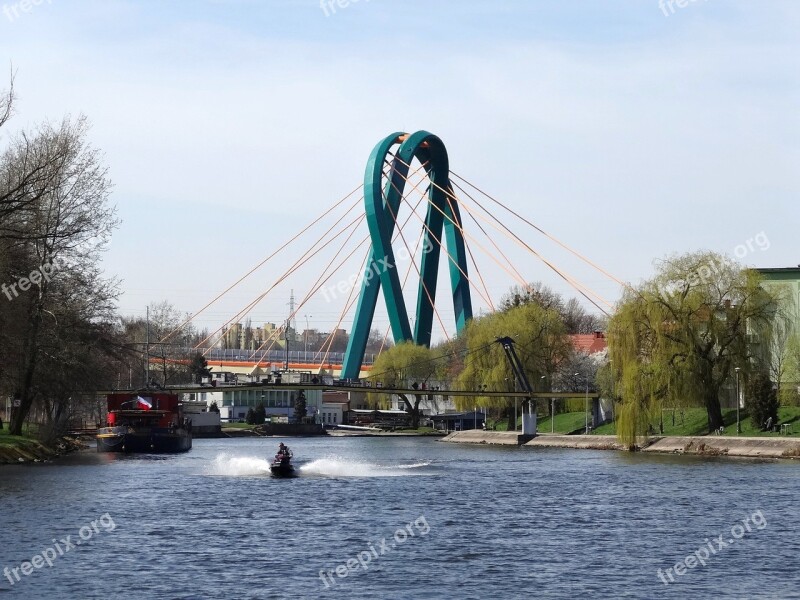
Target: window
334,417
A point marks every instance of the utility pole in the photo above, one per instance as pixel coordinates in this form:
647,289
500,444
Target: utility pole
147,350
288,325
286,343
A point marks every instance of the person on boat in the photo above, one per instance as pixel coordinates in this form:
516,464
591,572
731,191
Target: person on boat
283,452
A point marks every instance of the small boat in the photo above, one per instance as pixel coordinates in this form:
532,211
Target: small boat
282,464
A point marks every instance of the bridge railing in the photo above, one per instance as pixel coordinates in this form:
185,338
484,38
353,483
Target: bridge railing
277,357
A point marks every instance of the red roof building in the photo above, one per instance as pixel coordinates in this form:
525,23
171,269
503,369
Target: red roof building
589,343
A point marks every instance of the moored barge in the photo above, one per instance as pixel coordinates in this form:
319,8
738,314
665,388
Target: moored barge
145,422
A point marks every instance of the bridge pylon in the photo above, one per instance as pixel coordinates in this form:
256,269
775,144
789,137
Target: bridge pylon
382,198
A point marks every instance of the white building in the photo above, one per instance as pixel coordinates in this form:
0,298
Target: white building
279,403
203,420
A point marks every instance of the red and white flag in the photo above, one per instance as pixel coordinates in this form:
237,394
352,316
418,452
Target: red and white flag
144,403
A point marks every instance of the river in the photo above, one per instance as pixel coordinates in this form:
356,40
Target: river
399,518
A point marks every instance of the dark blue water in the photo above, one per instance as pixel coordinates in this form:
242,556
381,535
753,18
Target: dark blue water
456,522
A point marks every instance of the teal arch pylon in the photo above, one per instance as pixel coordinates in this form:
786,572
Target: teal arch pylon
382,204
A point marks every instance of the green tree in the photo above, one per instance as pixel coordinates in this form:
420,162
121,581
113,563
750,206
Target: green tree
404,366
542,344
300,408
250,418
574,315
213,407
761,399
198,367
259,415
677,338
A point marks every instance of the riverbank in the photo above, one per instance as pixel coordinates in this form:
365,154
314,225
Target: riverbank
369,433
16,450
698,445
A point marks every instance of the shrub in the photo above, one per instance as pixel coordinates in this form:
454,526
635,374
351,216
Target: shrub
761,400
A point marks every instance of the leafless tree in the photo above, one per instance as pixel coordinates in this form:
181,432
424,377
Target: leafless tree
55,219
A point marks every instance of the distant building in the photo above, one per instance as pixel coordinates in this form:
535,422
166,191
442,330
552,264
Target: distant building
379,418
234,402
205,423
335,406
787,278
787,281
589,343
460,421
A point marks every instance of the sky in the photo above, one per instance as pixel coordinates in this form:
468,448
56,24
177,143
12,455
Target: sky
629,130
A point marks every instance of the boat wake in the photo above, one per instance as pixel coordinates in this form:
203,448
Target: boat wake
340,467
238,466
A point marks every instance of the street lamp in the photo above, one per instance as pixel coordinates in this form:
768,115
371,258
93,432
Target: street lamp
738,402
552,414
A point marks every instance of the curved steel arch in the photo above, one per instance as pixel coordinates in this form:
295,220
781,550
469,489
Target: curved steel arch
382,205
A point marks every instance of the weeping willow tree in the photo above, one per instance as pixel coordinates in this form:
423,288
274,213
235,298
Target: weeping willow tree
402,366
541,344
677,339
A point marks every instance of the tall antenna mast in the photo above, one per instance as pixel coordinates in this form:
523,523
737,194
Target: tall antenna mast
147,350
289,324
291,310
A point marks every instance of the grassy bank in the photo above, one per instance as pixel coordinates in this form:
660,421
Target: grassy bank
26,448
691,422
694,421
7,440
563,423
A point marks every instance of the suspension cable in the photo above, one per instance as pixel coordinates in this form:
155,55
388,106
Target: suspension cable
582,289
298,263
566,278
263,262
543,232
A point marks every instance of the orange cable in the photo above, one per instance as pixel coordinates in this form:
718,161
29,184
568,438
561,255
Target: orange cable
297,264
582,289
261,264
424,286
543,232
449,256
566,278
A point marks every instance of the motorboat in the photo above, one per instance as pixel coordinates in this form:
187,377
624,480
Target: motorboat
282,464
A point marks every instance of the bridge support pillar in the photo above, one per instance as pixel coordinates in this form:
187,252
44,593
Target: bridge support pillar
529,418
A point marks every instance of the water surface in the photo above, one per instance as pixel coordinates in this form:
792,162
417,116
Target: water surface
427,519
